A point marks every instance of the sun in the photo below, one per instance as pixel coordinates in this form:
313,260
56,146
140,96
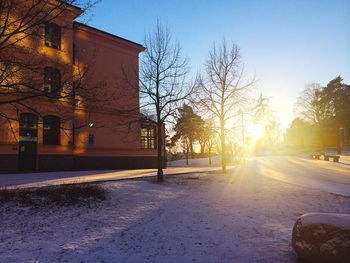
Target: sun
256,131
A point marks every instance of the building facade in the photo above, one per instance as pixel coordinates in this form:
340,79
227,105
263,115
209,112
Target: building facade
88,117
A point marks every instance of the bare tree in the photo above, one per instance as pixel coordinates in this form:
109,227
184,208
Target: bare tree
310,107
224,89
307,107
265,115
262,110
210,138
162,82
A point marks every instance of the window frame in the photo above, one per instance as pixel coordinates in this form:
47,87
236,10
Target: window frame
52,78
91,139
52,35
28,124
149,140
51,135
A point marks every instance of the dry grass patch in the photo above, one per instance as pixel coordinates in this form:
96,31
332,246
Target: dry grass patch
54,195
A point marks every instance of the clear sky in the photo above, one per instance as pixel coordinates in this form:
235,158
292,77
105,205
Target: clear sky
286,43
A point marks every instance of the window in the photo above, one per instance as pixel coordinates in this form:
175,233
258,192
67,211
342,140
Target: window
51,132
52,81
148,137
91,139
52,35
28,125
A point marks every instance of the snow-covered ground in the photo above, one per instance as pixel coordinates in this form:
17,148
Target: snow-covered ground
201,162
241,217
345,159
26,180
329,176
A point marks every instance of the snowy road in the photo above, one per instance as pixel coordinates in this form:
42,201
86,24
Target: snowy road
315,174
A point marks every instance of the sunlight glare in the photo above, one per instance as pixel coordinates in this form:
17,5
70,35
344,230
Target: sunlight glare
256,131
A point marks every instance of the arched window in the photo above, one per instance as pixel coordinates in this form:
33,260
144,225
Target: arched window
52,81
28,125
51,132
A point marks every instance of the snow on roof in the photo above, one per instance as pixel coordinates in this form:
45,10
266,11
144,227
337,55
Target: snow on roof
333,219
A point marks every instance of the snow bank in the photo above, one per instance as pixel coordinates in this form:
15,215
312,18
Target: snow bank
322,237
337,220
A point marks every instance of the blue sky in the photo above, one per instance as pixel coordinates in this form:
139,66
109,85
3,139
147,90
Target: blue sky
285,43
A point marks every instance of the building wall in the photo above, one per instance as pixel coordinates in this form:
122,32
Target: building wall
116,125
109,100
112,66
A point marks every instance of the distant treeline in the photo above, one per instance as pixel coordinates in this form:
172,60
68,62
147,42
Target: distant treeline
323,117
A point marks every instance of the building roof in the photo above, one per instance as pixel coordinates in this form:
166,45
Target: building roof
109,34
73,6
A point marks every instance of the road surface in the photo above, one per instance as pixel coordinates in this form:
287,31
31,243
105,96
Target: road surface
317,174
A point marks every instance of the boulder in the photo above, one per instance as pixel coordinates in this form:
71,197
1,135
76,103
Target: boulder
321,237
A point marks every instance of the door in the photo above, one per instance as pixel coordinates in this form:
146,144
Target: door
27,155
28,142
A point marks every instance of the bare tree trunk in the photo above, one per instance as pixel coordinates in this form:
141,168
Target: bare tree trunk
160,175
202,148
187,149
223,146
191,148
